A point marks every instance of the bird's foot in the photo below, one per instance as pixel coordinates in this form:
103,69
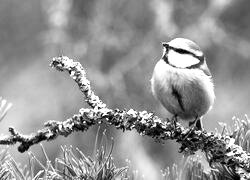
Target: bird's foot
194,125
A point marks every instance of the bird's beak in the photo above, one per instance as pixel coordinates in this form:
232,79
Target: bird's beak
165,44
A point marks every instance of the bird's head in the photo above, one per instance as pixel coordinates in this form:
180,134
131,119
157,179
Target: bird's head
182,53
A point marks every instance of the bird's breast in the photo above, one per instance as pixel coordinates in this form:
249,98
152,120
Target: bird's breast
187,93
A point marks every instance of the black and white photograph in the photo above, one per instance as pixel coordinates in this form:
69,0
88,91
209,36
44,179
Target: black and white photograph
124,90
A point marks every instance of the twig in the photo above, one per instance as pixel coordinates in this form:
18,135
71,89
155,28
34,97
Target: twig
218,148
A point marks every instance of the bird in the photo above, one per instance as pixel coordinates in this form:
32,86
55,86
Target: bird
182,82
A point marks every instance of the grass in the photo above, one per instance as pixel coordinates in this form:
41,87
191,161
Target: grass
73,164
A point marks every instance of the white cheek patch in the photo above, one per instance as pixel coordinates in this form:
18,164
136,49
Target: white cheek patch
181,60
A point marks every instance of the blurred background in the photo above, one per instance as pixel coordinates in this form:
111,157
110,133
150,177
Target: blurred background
118,42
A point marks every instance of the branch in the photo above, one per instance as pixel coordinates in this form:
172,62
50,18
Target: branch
218,149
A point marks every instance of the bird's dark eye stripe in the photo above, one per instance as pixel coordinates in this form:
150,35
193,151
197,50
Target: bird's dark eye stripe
183,51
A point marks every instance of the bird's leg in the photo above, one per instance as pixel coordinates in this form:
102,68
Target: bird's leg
196,123
174,120
199,124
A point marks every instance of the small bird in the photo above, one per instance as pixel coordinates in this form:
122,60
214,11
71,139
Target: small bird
182,82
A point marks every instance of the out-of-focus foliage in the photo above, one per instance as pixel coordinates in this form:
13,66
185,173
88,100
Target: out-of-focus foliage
118,42
74,164
4,108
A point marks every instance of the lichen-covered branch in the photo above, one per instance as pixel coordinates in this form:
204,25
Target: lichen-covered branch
218,149
77,73
51,131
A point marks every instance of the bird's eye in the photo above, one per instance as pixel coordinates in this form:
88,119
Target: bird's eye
182,51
